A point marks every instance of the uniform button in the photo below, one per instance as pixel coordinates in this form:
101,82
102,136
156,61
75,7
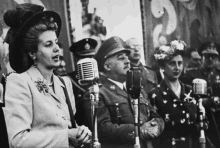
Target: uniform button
59,105
79,95
141,121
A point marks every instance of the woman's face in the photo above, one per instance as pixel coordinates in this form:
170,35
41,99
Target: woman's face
48,50
173,68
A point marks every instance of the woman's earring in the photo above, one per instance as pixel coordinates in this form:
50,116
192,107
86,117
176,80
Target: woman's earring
35,61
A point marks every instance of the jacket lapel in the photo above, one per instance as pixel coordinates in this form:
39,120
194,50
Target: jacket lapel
58,88
115,88
36,75
167,91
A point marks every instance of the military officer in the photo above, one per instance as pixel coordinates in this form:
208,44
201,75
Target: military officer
210,65
210,71
148,76
115,113
84,48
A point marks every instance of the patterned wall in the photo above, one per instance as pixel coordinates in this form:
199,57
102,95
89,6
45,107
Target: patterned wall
194,21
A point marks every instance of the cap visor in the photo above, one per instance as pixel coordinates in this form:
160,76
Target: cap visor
117,50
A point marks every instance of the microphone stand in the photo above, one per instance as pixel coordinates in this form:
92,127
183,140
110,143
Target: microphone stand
202,139
94,97
136,123
134,88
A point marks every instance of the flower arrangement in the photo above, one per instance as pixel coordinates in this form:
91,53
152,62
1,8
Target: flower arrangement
166,51
42,85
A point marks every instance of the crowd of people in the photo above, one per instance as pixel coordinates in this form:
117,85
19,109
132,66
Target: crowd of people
44,106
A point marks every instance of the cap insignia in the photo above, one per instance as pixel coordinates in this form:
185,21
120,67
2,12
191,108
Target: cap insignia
87,46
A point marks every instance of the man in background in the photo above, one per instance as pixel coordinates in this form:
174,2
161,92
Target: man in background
84,48
210,72
148,76
195,60
61,70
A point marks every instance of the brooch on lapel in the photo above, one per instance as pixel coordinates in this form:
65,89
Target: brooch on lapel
188,98
42,85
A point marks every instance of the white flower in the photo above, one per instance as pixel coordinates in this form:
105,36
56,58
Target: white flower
165,48
165,51
178,44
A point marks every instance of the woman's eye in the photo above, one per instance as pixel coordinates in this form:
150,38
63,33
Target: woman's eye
48,44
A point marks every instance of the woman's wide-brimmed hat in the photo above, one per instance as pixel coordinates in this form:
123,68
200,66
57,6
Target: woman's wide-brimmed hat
20,20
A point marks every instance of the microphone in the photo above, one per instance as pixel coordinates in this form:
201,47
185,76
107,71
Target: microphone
199,87
87,72
133,82
200,91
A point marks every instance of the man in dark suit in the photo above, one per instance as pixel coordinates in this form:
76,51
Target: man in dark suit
84,48
148,76
115,112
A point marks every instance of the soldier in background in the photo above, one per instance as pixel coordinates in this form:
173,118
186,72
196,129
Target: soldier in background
148,76
210,71
195,60
61,70
84,48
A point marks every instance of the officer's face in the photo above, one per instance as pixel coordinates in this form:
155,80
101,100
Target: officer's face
173,68
118,65
210,60
135,49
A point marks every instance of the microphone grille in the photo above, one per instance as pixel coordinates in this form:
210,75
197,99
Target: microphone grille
86,69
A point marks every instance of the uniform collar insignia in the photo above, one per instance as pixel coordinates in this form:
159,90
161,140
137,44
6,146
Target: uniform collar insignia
112,87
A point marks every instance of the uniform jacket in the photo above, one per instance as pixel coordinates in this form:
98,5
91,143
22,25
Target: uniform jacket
34,118
78,91
212,111
115,115
179,114
148,76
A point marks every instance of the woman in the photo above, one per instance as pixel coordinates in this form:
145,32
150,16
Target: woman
173,100
39,105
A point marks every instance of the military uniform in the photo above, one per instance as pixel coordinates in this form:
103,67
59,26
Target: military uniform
84,48
116,116
78,91
148,77
115,110
179,115
211,74
212,112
